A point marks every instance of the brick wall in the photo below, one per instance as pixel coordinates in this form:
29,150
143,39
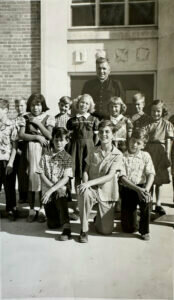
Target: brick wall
19,49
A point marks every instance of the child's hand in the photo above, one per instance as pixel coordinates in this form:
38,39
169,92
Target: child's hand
81,188
143,195
46,197
35,121
42,140
9,169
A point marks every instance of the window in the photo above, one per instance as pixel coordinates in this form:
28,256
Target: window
113,12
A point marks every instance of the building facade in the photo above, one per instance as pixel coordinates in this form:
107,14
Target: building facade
51,46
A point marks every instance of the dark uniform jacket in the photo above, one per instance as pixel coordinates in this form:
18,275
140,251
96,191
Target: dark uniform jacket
101,93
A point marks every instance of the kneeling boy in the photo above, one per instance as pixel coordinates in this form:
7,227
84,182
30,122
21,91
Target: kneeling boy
137,181
100,183
56,171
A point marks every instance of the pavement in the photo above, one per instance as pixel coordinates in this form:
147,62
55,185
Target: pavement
35,264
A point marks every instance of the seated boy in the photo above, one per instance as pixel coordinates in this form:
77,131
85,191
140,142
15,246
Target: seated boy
7,156
139,119
137,179
56,171
100,183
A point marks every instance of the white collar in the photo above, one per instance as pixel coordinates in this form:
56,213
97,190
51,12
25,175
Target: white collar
115,120
85,115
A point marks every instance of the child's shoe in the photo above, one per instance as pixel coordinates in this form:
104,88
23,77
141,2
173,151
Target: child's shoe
160,210
83,237
73,216
12,215
41,216
66,235
32,216
145,237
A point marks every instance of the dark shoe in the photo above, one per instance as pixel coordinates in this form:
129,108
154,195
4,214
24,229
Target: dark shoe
83,237
66,235
12,215
32,218
73,217
41,218
160,210
145,237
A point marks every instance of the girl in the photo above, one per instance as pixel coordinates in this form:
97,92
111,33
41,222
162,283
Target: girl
122,125
84,128
160,132
171,119
20,160
36,129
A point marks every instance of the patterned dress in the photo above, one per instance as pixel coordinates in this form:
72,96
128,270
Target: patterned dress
83,129
123,128
158,133
34,149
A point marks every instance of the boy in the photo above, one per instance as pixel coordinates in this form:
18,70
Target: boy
137,179
7,156
140,119
64,115
56,171
100,183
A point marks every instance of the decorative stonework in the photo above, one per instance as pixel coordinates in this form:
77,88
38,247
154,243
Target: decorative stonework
142,54
121,55
79,56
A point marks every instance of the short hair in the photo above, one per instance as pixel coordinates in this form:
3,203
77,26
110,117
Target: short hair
101,60
65,100
106,123
19,99
38,98
138,96
160,102
140,134
60,132
79,98
4,104
118,100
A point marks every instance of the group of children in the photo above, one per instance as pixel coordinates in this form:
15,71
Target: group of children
106,157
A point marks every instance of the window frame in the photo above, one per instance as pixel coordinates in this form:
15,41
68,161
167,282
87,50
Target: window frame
97,14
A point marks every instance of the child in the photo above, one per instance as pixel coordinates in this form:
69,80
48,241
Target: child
171,119
100,183
64,115
84,128
36,129
160,132
20,159
56,173
137,181
7,156
122,125
139,119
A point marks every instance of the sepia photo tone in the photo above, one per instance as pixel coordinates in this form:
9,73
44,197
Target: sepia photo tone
86,149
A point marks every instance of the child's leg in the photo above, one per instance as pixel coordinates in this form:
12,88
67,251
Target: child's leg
129,200
105,217
32,197
52,214
10,192
86,202
144,217
159,209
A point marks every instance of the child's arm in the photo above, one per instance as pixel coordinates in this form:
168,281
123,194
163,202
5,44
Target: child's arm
54,188
12,157
32,137
97,181
149,182
168,147
47,132
142,192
